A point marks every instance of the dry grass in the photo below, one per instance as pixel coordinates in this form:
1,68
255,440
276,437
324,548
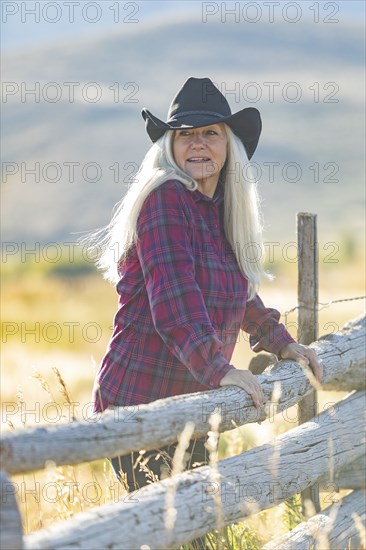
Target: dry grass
63,371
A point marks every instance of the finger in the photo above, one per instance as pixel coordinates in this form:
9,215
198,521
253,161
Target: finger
317,369
257,395
300,358
251,386
254,392
314,364
314,375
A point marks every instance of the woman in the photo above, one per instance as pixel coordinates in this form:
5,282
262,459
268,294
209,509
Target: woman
185,279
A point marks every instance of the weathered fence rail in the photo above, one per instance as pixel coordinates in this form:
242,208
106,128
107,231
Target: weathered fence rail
336,527
11,536
245,484
159,423
317,450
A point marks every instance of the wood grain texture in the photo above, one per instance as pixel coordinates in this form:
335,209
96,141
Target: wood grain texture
124,429
334,527
11,532
307,298
352,476
242,485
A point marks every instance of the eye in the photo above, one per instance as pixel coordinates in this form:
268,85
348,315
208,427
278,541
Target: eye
184,133
212,132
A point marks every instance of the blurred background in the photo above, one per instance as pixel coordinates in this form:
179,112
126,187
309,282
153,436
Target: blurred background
75,78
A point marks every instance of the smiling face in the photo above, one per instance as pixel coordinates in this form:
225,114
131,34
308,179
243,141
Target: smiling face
201,153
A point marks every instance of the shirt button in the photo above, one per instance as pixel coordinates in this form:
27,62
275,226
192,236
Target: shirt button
231,298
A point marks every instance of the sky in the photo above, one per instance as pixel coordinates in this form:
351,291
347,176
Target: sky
60,19
28,23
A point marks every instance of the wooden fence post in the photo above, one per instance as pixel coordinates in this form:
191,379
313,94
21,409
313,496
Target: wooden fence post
308,321
11,533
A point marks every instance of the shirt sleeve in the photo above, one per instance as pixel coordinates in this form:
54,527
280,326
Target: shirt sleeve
177,306
262,324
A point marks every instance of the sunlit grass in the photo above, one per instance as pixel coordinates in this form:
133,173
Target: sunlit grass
56,494
70,304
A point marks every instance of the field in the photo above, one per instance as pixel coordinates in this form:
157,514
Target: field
57,320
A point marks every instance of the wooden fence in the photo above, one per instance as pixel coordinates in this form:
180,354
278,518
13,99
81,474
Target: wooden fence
328,449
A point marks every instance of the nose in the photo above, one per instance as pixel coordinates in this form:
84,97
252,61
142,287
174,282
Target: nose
197,140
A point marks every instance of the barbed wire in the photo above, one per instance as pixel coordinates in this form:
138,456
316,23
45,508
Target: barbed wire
324,304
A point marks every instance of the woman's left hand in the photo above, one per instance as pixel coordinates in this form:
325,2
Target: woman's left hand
303,354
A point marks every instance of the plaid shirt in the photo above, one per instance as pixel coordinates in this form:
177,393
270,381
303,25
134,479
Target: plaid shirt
182,302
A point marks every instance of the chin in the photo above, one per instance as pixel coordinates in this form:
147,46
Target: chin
201,175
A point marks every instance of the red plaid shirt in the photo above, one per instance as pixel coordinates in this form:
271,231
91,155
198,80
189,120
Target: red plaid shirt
182,302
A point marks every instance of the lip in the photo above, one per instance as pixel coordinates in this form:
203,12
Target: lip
198,159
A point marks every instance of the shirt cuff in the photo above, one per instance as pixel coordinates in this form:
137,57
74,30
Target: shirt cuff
219,373
274,338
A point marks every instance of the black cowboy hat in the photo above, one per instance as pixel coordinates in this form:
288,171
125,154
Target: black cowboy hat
199,103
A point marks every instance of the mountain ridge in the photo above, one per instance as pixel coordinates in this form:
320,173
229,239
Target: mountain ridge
322,140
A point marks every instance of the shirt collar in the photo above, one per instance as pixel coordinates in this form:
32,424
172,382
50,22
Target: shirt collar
217,198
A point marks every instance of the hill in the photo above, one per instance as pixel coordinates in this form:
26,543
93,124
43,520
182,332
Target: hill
83,142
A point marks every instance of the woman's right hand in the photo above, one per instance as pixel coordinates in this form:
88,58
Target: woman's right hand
247,381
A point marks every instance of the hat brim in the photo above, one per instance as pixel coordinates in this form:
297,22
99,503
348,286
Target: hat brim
246,124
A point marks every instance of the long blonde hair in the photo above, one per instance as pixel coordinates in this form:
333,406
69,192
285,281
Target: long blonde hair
242,221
